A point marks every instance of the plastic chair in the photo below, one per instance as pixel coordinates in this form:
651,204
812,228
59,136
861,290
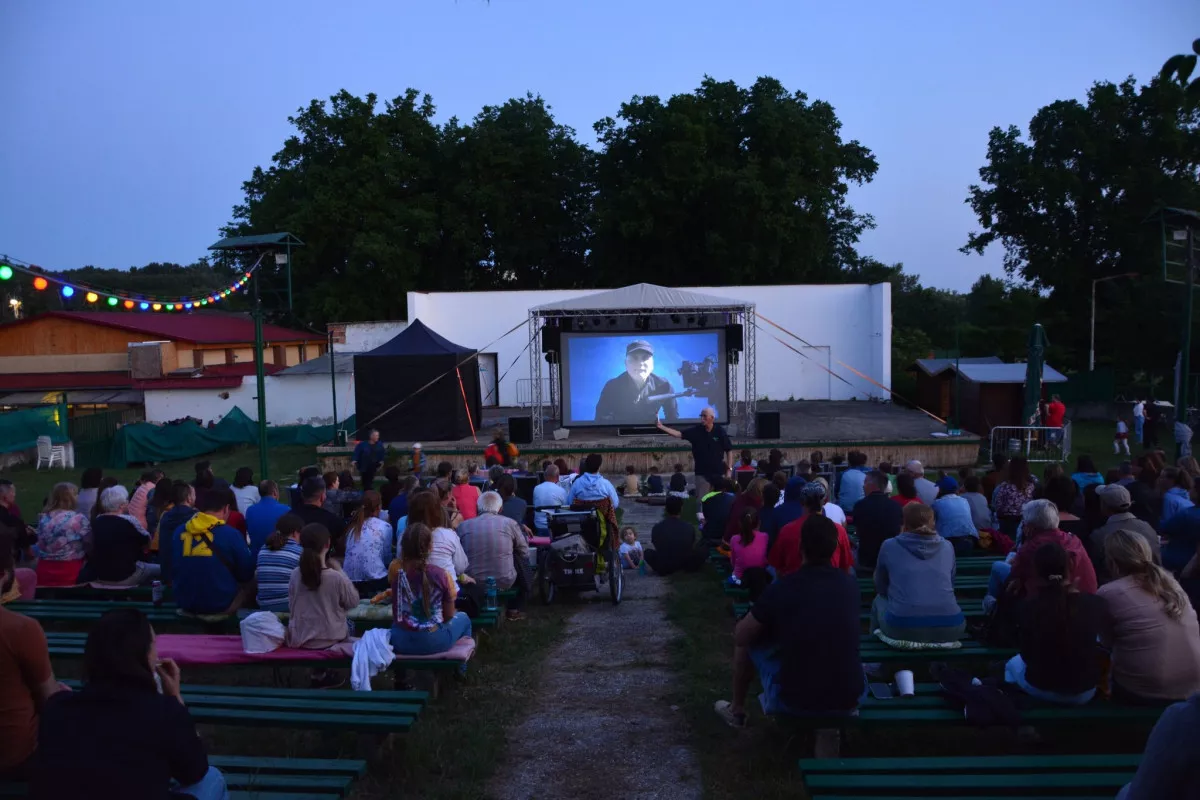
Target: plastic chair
49,453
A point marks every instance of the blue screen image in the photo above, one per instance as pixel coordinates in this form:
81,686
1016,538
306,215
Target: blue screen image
594,361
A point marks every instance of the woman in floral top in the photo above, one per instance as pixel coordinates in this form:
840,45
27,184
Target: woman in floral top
368,548
423,614
1011,495
63,538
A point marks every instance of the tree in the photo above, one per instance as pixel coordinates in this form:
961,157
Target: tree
726,185
1179,68
1068,205
359,188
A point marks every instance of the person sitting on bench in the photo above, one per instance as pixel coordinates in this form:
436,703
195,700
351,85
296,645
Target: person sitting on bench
424,620
26,678
211,562
319,595
802,637
914,584
496,547
118,545
127,733
1057,629
674,542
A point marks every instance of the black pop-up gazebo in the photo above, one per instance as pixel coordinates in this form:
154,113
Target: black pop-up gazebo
396,369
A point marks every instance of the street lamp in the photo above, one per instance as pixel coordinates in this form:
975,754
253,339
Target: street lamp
1092,348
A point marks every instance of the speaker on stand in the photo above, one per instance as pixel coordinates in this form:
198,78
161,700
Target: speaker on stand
766,425
520,430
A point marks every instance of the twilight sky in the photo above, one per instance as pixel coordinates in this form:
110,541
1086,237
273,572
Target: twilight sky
129,125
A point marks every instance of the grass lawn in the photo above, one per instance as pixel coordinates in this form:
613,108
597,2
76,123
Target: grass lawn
34,485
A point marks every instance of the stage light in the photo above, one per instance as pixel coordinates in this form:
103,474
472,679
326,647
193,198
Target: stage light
144,306
157,306
67,291
92,297
112,301
129,304
40,284
5,272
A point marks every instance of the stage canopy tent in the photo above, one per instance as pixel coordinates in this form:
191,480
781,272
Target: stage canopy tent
640,297
397,369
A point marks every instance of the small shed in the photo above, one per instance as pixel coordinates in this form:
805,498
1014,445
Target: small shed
935,382
413,387
992,394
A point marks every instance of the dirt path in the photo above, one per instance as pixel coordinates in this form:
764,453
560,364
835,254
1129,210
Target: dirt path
600,728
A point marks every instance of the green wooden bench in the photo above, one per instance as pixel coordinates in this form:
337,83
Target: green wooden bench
254,778
990,777
970,608
964,586
307,709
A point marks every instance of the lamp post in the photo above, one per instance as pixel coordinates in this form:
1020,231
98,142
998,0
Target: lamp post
1092,348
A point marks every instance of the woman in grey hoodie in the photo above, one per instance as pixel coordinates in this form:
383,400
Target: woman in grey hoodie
914,584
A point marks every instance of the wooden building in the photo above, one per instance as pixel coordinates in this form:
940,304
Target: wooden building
990,392
935,382
94,355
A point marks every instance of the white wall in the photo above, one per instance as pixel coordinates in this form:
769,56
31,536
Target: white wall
292,400
364,336
853,321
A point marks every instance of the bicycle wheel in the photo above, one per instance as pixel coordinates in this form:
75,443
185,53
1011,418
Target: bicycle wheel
616,578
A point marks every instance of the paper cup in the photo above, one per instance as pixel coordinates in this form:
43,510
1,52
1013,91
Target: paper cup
904,683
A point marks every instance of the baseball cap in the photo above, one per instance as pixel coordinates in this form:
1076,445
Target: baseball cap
640,344
947,484
1114,496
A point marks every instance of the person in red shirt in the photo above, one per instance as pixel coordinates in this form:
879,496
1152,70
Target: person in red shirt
787,557
906,490
26,679
1056,412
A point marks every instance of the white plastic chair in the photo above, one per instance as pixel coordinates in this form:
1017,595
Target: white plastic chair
49,453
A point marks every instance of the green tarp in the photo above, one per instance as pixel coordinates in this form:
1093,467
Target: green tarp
19,430
144,443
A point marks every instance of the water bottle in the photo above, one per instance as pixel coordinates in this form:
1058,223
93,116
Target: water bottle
492,595
156,593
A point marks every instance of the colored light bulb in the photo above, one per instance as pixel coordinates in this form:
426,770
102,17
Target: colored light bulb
157,306
67,291
144,306
112,301
129,304
5,272
92,297
40,284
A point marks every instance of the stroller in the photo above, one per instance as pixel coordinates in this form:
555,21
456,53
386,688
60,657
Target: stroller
582,556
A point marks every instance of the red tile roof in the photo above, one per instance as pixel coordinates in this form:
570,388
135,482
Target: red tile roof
200,382
197,326
62,381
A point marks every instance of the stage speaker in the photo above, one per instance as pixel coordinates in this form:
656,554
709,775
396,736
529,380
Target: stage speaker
733,338
766,424
520,430
551,339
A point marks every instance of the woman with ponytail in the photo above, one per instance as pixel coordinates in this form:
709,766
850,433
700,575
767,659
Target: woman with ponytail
749,548
319,595
276,561
424,620
1150,626
368,548
1057,631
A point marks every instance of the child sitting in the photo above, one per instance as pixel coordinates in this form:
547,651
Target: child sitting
678,484
654,482
631,486
631,549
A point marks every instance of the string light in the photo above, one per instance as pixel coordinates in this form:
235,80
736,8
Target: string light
95,295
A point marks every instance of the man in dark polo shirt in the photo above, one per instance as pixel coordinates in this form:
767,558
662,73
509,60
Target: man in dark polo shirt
311,511
674,542
801,636
876,519
711,449
627,397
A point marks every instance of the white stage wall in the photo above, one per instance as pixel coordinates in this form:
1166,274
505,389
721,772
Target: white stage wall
291,400
850,323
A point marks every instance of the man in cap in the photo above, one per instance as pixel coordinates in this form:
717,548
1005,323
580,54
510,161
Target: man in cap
627,397
1115,503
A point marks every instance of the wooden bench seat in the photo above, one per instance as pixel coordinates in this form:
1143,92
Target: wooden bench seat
255,778
976,777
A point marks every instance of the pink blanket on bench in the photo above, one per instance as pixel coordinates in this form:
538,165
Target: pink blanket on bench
189,649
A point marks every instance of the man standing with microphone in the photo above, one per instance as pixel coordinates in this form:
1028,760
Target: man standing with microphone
711,449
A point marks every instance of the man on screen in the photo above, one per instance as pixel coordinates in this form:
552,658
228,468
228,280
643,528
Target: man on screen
629,397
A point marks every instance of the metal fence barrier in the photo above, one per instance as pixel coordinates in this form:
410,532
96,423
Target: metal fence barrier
1036,444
